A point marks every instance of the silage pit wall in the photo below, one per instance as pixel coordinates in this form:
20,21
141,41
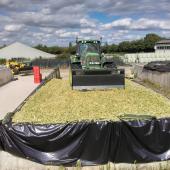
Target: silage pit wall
95,142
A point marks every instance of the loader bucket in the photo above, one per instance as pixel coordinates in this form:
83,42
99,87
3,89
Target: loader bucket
97,79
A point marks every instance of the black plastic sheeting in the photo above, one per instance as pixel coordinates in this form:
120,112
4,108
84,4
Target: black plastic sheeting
160,66
90,142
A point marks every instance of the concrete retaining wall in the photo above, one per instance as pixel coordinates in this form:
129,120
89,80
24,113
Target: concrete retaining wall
10,162
145,57
5,75
161,79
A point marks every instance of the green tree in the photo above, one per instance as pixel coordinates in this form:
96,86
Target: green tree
2,61
150,40
112,48
124,46
70,44
104,47
142,45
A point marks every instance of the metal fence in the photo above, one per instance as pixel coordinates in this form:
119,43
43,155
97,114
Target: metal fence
49,63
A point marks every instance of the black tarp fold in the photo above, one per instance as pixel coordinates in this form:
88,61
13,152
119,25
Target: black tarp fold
99,142
160,66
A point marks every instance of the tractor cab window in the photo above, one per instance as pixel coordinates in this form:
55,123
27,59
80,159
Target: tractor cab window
88,47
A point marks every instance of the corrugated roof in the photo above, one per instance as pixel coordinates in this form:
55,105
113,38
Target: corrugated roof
167,41
19,50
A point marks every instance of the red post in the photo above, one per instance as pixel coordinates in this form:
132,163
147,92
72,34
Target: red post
37,75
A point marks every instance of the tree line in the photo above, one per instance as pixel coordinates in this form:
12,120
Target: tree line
145,44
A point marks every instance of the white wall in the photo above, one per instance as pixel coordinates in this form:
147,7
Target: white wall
145,57
5,75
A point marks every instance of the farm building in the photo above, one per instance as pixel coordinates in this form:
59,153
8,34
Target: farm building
19,50
162,46
162,53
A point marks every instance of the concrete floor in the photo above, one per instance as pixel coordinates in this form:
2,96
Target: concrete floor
10,162
64,73
13,93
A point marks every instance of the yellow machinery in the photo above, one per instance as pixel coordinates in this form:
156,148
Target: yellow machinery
18,67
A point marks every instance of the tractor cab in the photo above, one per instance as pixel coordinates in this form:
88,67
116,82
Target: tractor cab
89,53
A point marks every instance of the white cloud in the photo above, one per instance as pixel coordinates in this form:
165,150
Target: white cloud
38,35
47,30
117,36
126,22
145,23
46,11
38,20
4,2
5,39
13,27
140,24
89,31
69,34
84,22
58,32
166,33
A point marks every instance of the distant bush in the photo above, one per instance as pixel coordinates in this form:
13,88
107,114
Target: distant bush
145,44
63,56
2,61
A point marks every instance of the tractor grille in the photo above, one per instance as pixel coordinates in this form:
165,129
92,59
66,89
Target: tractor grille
93,60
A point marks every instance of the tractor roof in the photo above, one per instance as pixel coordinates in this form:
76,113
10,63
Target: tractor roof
88,41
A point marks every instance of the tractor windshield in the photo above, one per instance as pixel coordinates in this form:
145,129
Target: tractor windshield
88,47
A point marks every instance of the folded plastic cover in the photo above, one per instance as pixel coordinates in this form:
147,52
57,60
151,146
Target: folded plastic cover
160,66
90,142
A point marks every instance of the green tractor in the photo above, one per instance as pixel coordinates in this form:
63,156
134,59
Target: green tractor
90,69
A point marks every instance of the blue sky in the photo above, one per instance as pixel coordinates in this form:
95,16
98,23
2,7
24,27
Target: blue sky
102,17
58,22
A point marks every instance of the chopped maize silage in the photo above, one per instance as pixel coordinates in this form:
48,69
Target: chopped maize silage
56,102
